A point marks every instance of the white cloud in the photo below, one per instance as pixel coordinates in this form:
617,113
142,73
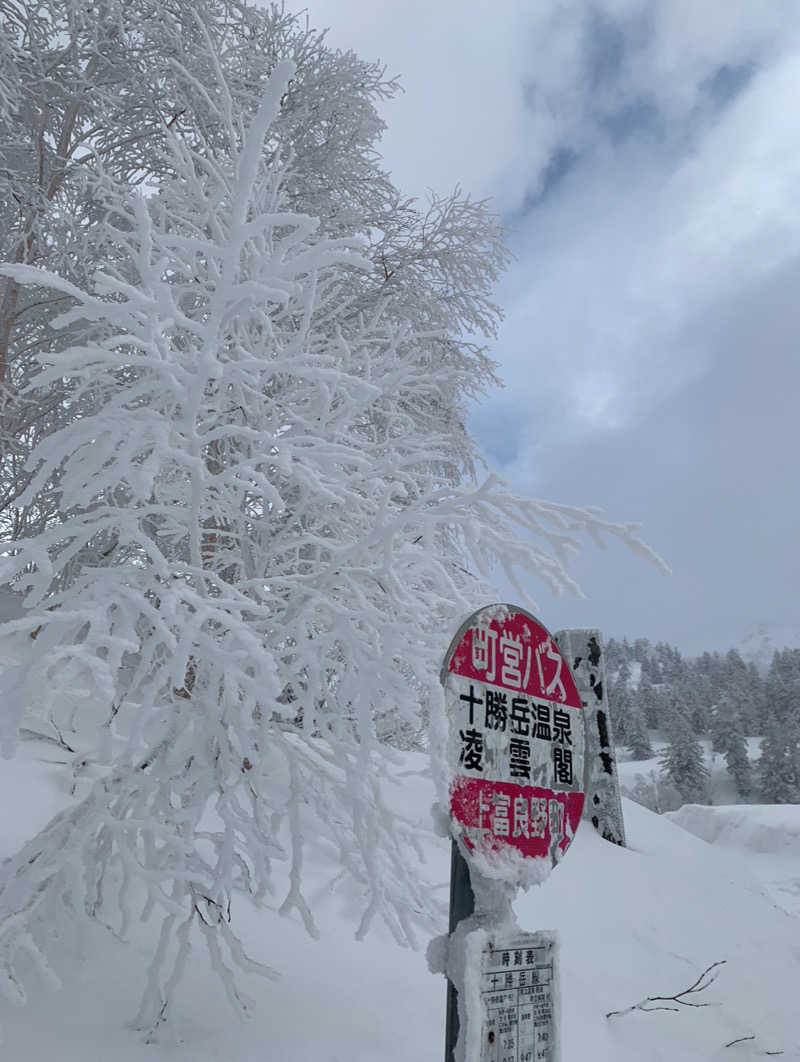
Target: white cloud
647,153
691,203
616,277
461,116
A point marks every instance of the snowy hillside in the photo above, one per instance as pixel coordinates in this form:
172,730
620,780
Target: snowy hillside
633,923
765,837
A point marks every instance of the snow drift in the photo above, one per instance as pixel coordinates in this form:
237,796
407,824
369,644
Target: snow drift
635,922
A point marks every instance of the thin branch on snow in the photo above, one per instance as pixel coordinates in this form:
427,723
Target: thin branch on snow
651,1003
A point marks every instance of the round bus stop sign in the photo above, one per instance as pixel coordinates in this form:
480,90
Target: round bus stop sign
515,747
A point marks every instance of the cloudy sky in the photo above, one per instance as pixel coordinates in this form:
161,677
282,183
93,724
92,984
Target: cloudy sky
645,158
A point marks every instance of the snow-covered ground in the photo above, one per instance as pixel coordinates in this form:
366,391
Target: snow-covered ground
761,843
633,923
764,838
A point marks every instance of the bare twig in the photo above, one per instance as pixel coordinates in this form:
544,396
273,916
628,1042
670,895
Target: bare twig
706,978
740,1040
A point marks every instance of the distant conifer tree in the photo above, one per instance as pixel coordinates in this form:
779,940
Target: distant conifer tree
619,701
728,737
637,738
682,759
779,765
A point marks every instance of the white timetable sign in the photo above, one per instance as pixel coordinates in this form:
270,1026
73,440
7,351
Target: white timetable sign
519,978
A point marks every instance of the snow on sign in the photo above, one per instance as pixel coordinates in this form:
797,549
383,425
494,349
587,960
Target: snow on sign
516,736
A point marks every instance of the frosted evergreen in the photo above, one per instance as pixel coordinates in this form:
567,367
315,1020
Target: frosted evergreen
682,759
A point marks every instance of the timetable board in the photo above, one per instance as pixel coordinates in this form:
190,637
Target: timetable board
519,977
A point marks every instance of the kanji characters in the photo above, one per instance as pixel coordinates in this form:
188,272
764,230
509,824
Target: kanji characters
483,651
539,820
519,719
521,817
471,700
562,764
512,657
561,727
496,709
499,823
556,815
519,758
543,730
472,749
515,817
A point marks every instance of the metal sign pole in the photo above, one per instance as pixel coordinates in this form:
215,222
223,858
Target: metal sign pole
462,905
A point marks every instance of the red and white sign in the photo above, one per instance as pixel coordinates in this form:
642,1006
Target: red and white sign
516,736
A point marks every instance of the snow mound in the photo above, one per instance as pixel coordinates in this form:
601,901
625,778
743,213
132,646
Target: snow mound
633,922
768,829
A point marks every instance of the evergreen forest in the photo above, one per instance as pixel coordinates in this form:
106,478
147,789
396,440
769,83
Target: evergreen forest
719,698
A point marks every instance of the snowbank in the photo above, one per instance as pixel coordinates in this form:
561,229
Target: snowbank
632,923
772,829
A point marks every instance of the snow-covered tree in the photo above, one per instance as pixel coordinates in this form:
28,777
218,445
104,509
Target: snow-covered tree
619,699
637,738
83,88
779,763
723,696
258,514
682,760
755,701
630,728
655,792
91,90
728,737
650,700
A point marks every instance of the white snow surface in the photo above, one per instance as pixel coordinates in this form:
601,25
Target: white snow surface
765,837
633,922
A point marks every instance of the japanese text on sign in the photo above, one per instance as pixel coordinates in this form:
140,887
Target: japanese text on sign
515,743
518,984
524,720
